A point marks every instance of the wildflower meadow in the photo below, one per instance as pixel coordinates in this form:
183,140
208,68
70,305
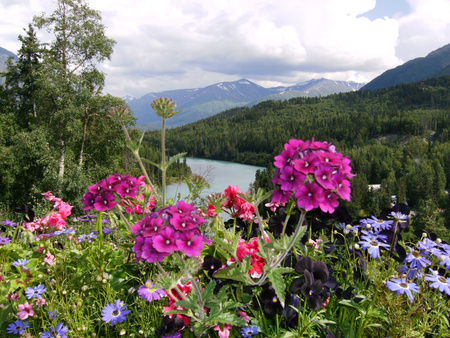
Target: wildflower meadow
287,263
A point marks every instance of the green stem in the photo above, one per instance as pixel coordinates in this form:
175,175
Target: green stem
394,239
123,217
15,234
141,165
163,160
99,227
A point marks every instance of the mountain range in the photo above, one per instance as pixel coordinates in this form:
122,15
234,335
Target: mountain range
200,103
436,63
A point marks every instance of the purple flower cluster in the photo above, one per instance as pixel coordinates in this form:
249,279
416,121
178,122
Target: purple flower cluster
102,195
314,172
170,229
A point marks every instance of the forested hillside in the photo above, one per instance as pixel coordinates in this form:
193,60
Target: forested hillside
397,137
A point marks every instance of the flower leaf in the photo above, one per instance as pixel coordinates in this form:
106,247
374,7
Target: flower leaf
186,304
278,284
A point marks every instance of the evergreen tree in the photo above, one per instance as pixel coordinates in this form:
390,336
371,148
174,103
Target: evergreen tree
22,76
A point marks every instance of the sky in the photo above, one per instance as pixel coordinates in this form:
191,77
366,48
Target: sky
180,44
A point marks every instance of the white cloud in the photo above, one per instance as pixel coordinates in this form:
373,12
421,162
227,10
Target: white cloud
171,44
425,29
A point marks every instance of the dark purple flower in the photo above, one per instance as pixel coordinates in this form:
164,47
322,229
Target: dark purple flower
270,302
310,288
170,326
211,265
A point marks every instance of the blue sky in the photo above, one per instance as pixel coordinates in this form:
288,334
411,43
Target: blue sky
177,44
389,8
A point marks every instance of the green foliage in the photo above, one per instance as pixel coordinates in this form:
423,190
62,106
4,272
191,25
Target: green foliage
55,128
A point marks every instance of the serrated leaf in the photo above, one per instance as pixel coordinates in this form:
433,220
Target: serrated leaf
277,281
208,290
300,234
234,274
227,318
186,304
275,245
159,166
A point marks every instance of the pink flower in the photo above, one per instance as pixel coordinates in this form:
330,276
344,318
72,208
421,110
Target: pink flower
343,190
13,296
40,249
88,200
55,220
65,210
105,201
287,157
40,302
211,211
32,226
311,170
182,222
315,244
324,176
309,196
244,316
225,332
190,243
49,259
25,311
330,202
165,242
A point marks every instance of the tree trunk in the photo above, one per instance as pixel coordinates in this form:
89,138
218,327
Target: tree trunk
83,139
62,153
